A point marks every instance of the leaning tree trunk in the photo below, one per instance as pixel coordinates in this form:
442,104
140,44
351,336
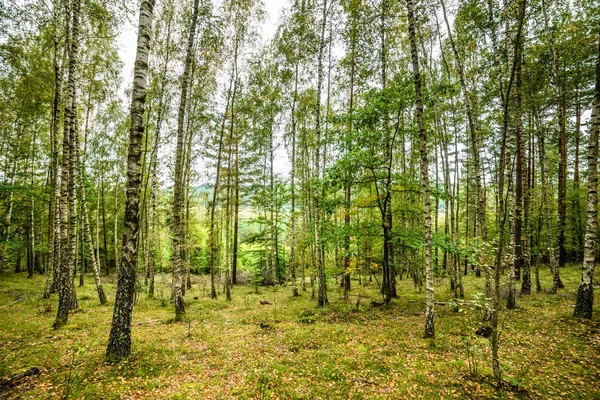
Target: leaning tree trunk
66,291
86,226
154,164
429,298
119,342
585,293
215,195
480,206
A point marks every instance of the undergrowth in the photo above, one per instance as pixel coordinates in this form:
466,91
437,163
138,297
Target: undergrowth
291,349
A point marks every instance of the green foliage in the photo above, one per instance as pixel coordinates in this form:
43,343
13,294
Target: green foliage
306,316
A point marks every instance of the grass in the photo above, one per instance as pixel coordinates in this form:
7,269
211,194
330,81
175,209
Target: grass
292,350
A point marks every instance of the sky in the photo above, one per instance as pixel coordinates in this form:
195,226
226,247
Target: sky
128,37
127,42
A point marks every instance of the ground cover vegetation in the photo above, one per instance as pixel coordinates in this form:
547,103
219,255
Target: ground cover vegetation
393,198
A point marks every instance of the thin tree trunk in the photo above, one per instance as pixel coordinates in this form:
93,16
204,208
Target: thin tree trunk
153,235
154,163
429,295
562,170
585,293
579,228
11,195
512,267
104,235
348,189
116,224
228,222
319,261
505,97
293,188
273,266
213,249
236,212
178,190
31,228
526,239
53,221
480,206
456,196
519,168
86,225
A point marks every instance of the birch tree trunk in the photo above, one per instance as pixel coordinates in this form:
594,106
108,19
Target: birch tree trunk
66,291
319,261
519,168
86,225
53,221
585,293
293,188
346,282
154,160
504,97
228,207
562,170
480,206
116,223
178,189
119,342
429,294
526,184
31,228
236,212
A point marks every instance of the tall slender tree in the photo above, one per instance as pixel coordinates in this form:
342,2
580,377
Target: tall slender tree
424,163
585,293
119,341
178,189
66,291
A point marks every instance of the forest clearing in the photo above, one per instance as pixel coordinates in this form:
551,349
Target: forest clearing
299,199
289,349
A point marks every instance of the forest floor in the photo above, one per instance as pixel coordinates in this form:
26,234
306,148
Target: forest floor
290,349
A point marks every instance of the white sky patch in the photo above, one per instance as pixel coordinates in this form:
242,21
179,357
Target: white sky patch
127,42
281,163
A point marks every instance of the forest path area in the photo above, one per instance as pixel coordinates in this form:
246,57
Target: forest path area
290,349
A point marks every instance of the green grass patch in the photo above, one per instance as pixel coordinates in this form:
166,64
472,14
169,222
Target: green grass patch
290,349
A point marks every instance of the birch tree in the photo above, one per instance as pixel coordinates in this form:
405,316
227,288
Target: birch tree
119,341
424,167
585,293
